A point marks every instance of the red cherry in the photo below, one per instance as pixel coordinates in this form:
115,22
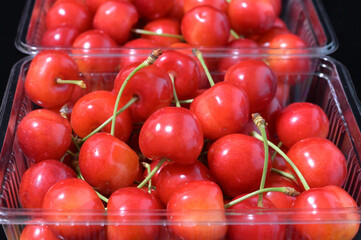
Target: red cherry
121,204
38,231
205,26
116,18
265,39
223,109
173,133
107,163
163,25
249,17
258,81
175,175
43,134
177,10
69,13
37,180
206,200
94,109
62,36
70,195
270,114
90,42
299,121
237,160
323,205
154,9
320,162
44,70
277,5
93,5
218,4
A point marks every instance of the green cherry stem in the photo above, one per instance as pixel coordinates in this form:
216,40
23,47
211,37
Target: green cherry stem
261,124
175,96
279,145
149,61
127,105
151,174
185,101
287,159
286,190
147,167
79,83
198,54
147,32
234,34
284,174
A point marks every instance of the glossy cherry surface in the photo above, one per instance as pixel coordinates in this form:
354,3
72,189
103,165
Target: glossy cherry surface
33,231
62,36
153,9
218,4
163,25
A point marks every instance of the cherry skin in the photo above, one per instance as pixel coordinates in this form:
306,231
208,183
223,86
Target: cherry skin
163,25
38,231
218,4
177,10
237,160
222,109
185,70
256,230
90,42
38,179
107,163
265,39
249,17
93,5
320,202
175,175
93,109
69,13
200,21
202,196
270,114
73,194
299,121
43,134
62,36
173,133
151,85
277,5
320,162
116,18
258,81
121,203
44,70
154,9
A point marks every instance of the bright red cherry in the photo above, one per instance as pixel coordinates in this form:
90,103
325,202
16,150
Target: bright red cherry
62,36
116,18
163,25
43,134
93,5
299,121
154,9
264,39
205,26
38,231
218,4
277,5
204,202
173,133
320,162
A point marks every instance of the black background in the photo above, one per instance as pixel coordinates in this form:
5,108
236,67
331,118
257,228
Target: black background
345,18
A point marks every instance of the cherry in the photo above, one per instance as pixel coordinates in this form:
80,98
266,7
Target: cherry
177,10
107,163
222,109
43,134
257,79
37,180
237,160
277,5
93,5
265,39
218,4
249,17
161,26
299,121
270,114
38,231
70,195
323,207
173,133
174,175
122,203
116,18
62,36
200,21
320,162
197,202
94,42
69,13
45,71
94,109
154,9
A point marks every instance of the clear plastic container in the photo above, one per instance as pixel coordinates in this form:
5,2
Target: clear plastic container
328,86
305,18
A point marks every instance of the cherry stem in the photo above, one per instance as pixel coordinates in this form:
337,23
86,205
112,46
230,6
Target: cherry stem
261,124
234,34
286,190
147,166
79,83
171,75
151,174
149,61
228,1
185,101
75,141
198,54
147,32
287,159
284,174
279,145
